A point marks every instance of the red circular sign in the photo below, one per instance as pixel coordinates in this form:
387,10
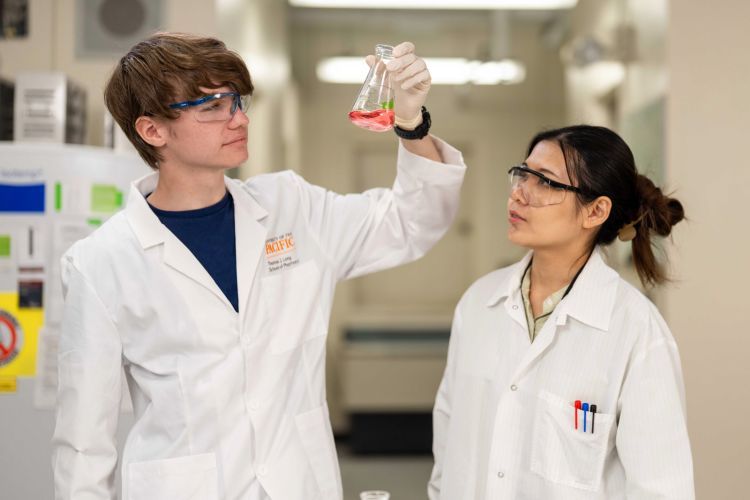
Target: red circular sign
10,338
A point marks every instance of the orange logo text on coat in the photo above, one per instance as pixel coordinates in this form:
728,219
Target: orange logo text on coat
281,252
279,245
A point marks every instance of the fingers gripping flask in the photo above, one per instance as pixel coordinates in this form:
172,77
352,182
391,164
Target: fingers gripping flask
373,109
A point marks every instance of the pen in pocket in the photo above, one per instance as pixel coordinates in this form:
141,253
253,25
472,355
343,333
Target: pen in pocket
593,414
585,408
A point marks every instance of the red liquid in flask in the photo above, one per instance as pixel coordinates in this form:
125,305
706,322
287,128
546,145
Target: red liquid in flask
380,120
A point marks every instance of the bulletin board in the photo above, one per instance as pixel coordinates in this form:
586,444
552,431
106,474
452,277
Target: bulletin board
50,197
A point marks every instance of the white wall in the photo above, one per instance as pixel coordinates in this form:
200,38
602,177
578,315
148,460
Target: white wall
35,51
258,31
708,112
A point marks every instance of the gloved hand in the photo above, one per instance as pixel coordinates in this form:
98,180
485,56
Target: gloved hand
411,82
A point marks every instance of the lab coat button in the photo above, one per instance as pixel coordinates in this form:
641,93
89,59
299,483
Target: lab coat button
262,470
500,475
514,387
515,306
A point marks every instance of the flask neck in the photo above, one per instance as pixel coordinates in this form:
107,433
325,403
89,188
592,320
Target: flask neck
384,51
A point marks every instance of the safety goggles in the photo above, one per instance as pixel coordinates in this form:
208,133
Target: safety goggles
219,107
537,189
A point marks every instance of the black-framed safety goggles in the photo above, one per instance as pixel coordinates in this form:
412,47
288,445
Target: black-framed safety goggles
538,189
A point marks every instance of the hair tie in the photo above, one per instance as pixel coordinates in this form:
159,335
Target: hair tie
628,231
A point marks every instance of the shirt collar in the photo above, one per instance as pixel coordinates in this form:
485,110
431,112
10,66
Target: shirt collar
513,279
590,301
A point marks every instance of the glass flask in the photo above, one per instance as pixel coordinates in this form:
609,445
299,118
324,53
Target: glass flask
374,495
373,109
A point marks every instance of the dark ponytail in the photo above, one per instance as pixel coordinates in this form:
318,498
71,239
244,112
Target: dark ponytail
600,163
658,214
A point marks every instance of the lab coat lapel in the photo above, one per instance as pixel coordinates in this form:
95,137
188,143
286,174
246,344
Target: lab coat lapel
251,239
510,290
180,258
151,232
541,343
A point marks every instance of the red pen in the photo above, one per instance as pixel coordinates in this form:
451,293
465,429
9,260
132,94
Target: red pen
578,407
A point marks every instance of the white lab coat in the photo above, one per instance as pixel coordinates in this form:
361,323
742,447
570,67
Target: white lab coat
226,403
504,417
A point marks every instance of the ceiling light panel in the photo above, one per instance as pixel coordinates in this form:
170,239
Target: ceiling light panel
443,70
438,4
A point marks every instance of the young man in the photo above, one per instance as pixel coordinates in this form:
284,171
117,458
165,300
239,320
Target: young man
214,295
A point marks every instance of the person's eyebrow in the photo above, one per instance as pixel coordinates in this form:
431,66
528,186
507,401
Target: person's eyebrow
544,171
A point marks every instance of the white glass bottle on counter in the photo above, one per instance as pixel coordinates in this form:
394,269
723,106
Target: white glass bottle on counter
374,495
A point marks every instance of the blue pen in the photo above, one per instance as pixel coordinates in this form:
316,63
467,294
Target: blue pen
585,408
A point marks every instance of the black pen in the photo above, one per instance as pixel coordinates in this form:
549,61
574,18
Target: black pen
593,414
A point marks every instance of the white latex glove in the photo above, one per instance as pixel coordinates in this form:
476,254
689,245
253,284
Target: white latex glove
411,82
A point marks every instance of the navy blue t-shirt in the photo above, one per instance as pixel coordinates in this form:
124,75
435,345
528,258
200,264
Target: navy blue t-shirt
209,235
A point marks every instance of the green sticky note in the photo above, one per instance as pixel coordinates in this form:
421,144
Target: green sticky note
105,198
58,196
4,245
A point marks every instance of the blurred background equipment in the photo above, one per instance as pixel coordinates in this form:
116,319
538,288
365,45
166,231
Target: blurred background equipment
7,90
111,27
49,107
389,379
14,19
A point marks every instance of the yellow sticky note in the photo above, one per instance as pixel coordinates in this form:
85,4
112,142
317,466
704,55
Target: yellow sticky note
7,384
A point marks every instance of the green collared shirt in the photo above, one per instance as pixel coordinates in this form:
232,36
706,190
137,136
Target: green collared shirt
535,324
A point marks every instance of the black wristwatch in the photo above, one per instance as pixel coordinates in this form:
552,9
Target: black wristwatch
422,129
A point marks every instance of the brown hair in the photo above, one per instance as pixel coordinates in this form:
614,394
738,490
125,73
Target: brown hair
165,68
600,163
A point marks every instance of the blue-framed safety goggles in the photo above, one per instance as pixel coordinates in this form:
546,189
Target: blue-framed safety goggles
215,107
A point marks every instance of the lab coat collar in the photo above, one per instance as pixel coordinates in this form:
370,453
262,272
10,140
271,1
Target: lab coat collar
590,301
146,225
592,298
250,236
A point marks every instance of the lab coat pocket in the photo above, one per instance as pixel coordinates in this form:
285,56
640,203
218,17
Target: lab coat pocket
291,304
314,430
182,478
567,456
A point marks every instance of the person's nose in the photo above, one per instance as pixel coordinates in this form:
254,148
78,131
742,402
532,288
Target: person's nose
517,194
239,119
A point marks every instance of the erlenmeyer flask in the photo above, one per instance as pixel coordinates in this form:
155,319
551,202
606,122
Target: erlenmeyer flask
373,109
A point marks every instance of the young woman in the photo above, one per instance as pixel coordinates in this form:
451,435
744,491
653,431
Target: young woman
563,381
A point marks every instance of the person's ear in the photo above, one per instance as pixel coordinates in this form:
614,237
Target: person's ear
597,212
151,131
